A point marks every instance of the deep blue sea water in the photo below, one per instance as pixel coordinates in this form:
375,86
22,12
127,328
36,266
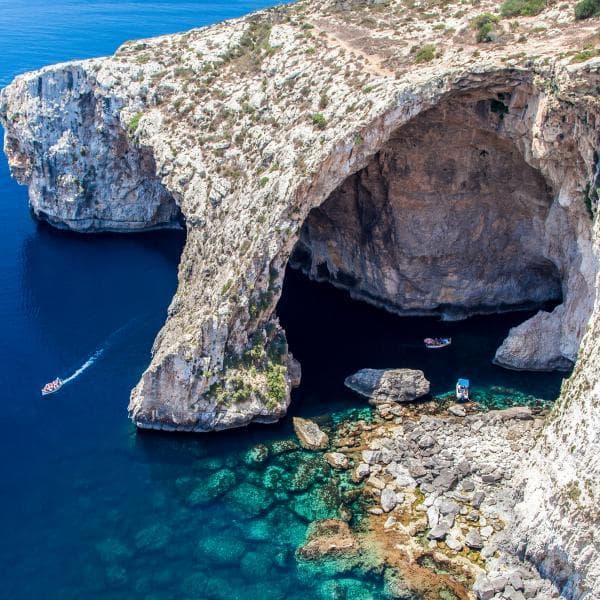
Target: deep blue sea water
88,507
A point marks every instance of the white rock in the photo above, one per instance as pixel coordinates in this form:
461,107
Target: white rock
388,499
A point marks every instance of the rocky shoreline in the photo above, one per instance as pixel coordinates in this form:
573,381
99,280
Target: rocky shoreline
439,492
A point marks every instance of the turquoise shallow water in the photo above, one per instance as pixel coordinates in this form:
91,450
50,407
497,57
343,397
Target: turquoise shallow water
88,507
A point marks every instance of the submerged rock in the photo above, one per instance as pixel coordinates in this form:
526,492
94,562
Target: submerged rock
337,460
216,485
153,538
221,550
250,499
256,455
112,550
388,385
311,436
330,537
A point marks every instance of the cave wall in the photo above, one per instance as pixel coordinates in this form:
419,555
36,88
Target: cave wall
447,218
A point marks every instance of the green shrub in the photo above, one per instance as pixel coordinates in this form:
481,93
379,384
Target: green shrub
587,8
484,26
425,54
523,8
276,385
264,181
135,121
585,54
319,121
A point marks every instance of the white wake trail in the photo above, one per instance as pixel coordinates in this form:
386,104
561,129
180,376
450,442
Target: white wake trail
98,353
86,365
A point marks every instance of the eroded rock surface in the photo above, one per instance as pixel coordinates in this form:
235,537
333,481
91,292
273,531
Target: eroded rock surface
535,345
330,537
310,435
389,385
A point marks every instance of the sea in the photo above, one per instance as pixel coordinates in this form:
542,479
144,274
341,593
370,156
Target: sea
92,508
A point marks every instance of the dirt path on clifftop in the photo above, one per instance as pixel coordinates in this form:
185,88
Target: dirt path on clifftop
345,40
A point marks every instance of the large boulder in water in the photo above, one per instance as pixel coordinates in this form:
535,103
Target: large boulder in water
310,434
381,386
329,537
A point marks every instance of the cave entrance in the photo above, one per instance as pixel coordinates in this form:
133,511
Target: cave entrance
333,336
446,220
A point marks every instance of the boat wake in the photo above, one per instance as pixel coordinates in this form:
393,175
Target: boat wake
86,365
91,359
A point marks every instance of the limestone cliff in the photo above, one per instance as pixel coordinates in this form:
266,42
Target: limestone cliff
558,516
382,147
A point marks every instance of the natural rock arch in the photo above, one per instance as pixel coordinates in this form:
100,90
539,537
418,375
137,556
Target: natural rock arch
245,190
447,218
519,122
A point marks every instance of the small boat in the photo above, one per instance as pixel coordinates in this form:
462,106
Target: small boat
434,343
52,386
462,390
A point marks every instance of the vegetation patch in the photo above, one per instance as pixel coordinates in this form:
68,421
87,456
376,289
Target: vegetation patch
134,122
484,26
585,54
425,54
319,120
587,8
523,8
253,48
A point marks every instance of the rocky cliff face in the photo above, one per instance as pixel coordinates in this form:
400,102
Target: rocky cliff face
322,129
66,142
557,518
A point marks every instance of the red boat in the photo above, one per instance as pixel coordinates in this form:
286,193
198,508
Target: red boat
52,386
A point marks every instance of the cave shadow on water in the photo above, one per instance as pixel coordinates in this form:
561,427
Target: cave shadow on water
333,336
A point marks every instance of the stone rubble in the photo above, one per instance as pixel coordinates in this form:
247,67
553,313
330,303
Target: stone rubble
439,473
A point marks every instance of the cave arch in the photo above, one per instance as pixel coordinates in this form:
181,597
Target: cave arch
446,218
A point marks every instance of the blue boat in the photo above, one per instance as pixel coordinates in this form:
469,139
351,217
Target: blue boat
462,389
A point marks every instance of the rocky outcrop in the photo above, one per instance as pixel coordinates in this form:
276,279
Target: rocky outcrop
535,345
310,435
66,142
557,518
388,385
